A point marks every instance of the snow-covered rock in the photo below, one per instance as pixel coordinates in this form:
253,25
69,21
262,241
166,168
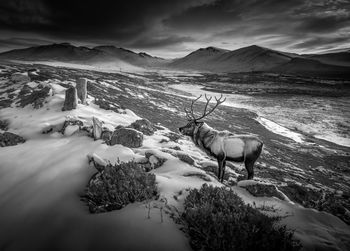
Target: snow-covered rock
71,129
144,126
97,128
127,137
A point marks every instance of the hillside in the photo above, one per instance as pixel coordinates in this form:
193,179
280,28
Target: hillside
66,52
336,58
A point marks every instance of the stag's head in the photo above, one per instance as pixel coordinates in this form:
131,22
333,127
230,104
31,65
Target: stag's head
193,121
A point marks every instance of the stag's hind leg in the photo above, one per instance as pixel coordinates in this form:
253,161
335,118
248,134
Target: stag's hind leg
249,166
250,161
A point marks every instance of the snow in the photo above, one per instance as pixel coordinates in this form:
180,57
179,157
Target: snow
276,128
42,179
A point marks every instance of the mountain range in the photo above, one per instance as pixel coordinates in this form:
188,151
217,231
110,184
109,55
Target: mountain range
211,59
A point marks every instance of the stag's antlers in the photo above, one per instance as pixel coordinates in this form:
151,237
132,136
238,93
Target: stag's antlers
190,114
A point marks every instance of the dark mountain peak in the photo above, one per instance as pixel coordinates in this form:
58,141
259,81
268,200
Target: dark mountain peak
66,44
105,47
144,54
212,49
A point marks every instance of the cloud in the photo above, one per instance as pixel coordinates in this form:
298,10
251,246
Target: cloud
180,24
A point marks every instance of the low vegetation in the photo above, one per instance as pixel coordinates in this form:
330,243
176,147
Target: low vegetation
118,185
217,219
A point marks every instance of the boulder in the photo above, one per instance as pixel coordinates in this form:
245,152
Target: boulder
97,128
144,126
155,161
20,77
71,99
106,135
10,139
71,124
186,158
82,89
4,125
127,137
71,129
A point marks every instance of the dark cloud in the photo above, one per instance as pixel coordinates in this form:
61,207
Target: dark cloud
184,24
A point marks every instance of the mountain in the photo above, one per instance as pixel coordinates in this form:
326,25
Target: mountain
210,59
65,52
306,66
256,58
251,58
335,58
138,59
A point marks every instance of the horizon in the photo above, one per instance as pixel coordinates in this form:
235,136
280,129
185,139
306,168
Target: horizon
345,49
172,29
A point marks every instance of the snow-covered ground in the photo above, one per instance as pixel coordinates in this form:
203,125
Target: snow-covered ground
41,180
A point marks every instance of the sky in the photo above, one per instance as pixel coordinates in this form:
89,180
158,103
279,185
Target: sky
174,28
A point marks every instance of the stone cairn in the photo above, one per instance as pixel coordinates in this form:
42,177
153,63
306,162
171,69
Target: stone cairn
71,99
82,89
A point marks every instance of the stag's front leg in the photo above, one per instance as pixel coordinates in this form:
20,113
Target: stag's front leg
221,164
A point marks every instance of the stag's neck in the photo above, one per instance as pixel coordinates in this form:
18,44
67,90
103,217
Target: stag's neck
204,136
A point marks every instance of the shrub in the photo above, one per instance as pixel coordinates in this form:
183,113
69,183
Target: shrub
217,219
118,185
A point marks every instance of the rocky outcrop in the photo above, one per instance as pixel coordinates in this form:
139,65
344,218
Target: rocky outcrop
144,126
82,89
127,137
10,139
71,99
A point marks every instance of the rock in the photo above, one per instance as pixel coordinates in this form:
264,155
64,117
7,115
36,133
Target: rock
127,137
82,89
4,125
10,139
20,77
173,136
144,126
186,158
69,123
264,190
155,161
106,135
25,90
71,99
97,128
71,129
97,161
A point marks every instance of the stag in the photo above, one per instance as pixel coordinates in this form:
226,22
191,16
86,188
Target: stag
222,145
